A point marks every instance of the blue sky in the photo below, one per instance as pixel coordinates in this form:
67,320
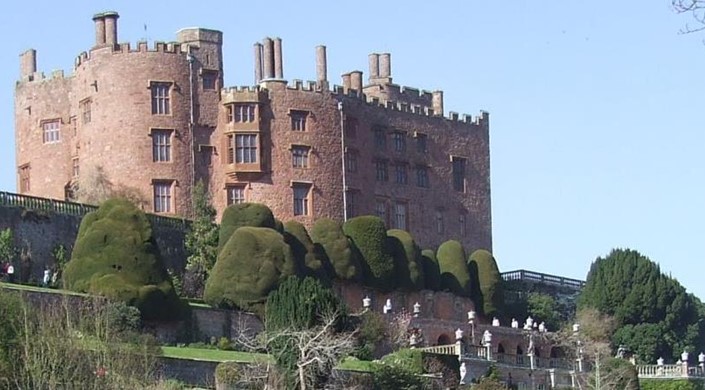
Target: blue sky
595,106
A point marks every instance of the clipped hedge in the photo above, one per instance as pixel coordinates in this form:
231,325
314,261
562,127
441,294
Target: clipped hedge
313,261
407,257
490,281
431,271
244,214
337,248
454,271
369,235
673,384
116,256
252,263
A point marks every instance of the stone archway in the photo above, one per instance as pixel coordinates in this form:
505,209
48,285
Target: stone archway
519,355
444,339
501,353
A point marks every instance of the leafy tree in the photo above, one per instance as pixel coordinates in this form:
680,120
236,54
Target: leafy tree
454,270
115,255
543,307
431,271
632,289
490,282
201,240
407,256
252,263
369,235
7,245
312,258
244,214
337,247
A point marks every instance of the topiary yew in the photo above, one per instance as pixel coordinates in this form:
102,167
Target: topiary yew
490,281
407,256
454,271
431,271
313,261
337,248
115,256
244,214
252,263
369,235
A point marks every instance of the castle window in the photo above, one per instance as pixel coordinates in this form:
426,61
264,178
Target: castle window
458,173
74,165
161,145
85,111
381,173
163,197
463,222
302,198
439,222
400,173
380,138
51,133
422,177
350,127
24,178
381,210
400,214
299,156
350,202
241,113
161,101
242,148
209,79
421,143
399,140
298,120
351,161
235,194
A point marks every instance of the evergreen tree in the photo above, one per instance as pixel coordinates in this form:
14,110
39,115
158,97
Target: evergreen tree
454,270
201,241
369,235
407,257
490,282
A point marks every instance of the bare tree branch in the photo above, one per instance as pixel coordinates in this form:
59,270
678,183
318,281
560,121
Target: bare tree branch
696,8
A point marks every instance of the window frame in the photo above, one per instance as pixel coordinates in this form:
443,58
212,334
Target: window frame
421,143
162,145
86,114
230,192
400,220
380,137
422,177
302,205
399,141
51,131
401,173
24,176
381,171
241,112
458,170
299,119
160,101
238,151
163,196
300,156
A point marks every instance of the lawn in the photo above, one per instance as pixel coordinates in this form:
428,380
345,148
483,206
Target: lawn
212,355
353,364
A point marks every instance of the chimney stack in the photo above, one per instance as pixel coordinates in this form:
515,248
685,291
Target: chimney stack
346,82
268,51
278,60
321,67
437,102
356,81
258,62
28,65
385,65
106,28
374,66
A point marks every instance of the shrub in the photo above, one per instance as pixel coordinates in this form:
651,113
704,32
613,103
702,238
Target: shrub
454,271
409,359
299,304
243,214
252,263
387,377
407,257
431,272
7,245
337,248
313,262
369,235
371,334
224,344
115,256
122,318
227,373
490,282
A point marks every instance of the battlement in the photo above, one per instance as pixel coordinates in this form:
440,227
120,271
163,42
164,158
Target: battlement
246,93
127,48
309,86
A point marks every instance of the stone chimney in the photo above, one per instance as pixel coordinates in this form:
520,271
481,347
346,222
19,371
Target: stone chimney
321,67
106,28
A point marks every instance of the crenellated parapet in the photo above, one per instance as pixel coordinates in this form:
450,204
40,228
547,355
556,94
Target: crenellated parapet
175,48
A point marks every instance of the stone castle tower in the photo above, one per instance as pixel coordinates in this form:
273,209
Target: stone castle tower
154,121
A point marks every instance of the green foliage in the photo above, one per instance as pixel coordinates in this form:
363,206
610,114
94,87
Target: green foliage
252,263
122,319
115,256
454,271
410,360
299,304
371,334
431,271
673,384
313,261
388,377
243,214
622,373
369,235
407,257
201,240
7,245
632,289
490,282
10,331
228,373
337,248
544,308
60,255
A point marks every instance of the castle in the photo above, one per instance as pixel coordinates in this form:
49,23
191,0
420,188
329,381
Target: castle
158,120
